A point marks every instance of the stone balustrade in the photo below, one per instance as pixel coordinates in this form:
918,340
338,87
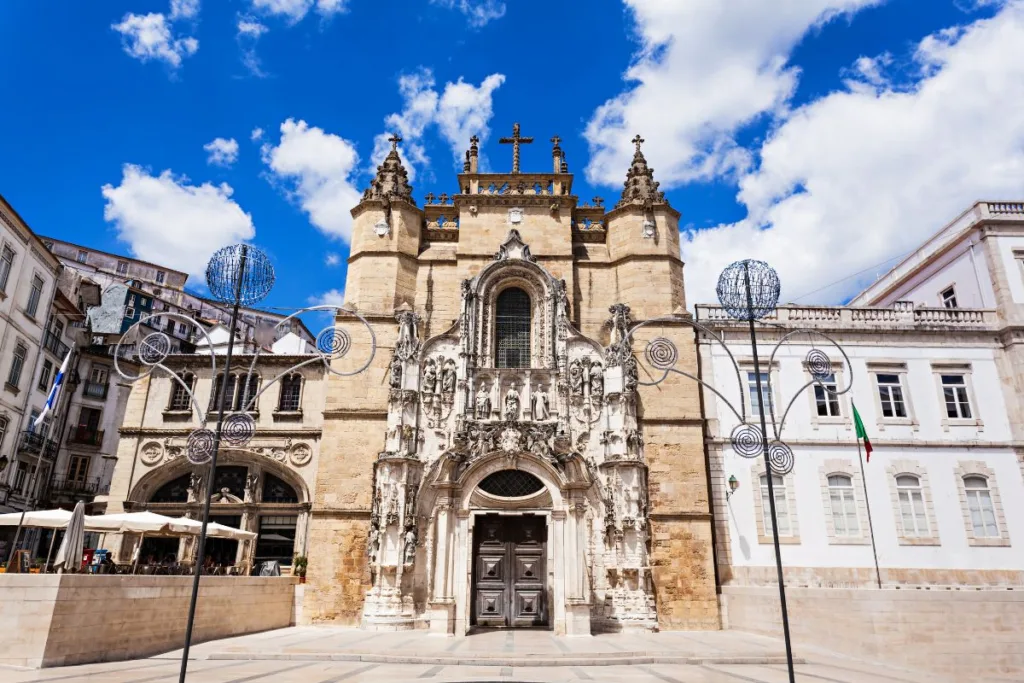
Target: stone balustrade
901,314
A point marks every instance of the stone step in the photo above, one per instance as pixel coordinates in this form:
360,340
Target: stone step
484,659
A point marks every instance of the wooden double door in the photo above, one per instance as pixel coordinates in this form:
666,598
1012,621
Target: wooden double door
509,588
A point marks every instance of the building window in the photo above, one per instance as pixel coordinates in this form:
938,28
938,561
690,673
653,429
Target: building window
291,393
129,312
844,505
513,329
954,393
122,267
98,374
22,476
180,399
912,510
781,505
890,393
174,491
182,328
247,390
276,539
160,277
979,504
44,375
229,393
765,398
825,397
3,431
34,295
82,255
948,297
78,469
17,364
6,263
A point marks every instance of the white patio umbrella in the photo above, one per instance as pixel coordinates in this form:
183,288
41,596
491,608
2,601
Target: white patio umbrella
147,524
69,555
44,519
218,530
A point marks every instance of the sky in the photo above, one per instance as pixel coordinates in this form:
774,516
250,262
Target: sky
826,137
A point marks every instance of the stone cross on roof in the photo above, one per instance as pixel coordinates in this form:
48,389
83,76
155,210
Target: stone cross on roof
637,141
515,141
394,140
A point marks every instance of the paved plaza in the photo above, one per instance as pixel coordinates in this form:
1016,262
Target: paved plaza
335,655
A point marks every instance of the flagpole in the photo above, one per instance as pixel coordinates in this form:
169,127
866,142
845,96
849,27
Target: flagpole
867,506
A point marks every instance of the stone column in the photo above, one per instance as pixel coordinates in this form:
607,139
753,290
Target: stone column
577,619
442,607
558,543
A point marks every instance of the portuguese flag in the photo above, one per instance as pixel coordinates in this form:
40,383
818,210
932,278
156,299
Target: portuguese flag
861,432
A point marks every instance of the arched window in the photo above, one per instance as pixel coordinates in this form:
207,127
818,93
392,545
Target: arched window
277,491
174,491
180,399
843,503
247,389
979,503
511,484
512,333
781,505
912,511
291,393
232,478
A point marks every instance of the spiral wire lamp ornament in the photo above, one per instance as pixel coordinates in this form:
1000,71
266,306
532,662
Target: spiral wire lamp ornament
239,275
749,290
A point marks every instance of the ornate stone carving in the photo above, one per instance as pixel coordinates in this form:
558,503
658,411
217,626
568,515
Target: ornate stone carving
195,487
300,454
409,550
514,248
392,180
596,380
252,482
640,187
429,377
512,404
395,374
539,403
408,344
448,378
152,453
483,402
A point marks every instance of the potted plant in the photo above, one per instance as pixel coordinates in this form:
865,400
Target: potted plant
299,567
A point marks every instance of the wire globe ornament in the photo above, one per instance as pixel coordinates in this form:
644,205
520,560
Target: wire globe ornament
333,342
746,441
154,348
238,429
819,364
780,457
199,447
240,264
764,288
661,353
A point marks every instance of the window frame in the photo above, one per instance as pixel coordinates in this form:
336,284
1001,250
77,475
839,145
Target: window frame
284,384
500,360
967,469
82,256
966,372
838,467
44,375
35,295
912,468
17,360
844,417
948,295
185,405
161,276
7,257
764,534
899,369
118,269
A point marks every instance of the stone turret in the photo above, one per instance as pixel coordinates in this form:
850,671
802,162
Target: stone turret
640,187
386,228
643,238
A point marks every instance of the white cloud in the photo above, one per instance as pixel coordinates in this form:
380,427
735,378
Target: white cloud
166,220
705,69
222,152
860,176
296,10
249,32
478,12
256,135
184,9
332,259
332,297
320,170
460,111
148,36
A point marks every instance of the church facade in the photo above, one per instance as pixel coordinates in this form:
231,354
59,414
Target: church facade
501,462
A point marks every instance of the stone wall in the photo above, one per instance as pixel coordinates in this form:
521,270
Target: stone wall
916,629
52,620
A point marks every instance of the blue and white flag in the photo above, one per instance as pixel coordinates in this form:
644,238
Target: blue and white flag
58,382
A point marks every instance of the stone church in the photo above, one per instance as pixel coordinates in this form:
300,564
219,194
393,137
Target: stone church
502,461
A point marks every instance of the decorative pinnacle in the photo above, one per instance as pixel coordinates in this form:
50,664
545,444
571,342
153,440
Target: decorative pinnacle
474,142
396,138
555,140
637,141
515,141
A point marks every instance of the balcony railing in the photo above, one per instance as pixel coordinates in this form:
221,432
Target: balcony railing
76,486
37,444
86,436
95,389
54,345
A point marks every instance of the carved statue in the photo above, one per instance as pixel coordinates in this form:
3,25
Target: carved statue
252,480
576,377
396,373
410,544
448,378
195,487
596,380
632,374
541,410
483,402
561,299
512,404
373,543
407,344
430,377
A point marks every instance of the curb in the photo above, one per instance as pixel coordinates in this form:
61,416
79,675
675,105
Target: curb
617,659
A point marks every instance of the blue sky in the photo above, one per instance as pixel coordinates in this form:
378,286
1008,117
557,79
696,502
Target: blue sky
824,136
